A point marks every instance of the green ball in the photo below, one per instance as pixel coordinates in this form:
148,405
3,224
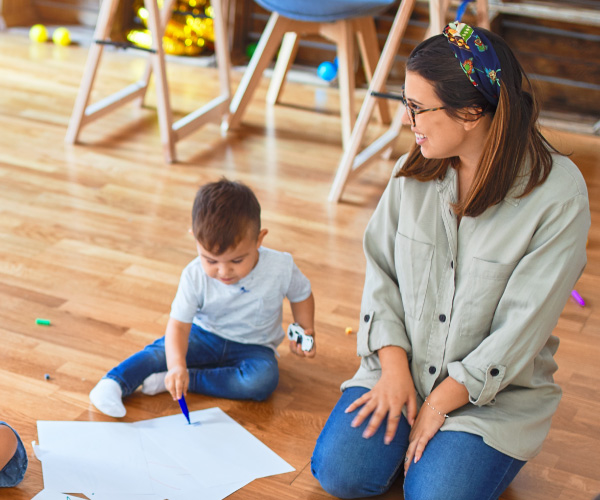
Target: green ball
38,33
250,48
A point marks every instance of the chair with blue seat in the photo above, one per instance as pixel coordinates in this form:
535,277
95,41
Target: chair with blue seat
337,20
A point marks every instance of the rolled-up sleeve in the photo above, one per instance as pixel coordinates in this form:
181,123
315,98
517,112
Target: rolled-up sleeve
530,306
382,312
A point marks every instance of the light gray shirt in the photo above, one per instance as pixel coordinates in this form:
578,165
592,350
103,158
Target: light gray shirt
477,302
249,311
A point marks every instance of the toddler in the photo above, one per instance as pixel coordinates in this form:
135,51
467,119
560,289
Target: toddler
225,321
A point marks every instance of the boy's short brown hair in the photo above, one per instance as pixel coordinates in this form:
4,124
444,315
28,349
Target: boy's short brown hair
223,213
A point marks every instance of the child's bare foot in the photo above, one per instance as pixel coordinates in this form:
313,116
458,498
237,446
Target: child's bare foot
154,384
107,397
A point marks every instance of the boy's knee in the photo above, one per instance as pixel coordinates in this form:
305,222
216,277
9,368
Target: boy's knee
260,384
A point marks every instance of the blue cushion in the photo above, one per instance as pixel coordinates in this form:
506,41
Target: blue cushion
325,10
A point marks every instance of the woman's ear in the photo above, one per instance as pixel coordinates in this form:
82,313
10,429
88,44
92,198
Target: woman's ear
472,117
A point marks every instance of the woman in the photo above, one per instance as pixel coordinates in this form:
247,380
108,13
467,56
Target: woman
471,255
13,458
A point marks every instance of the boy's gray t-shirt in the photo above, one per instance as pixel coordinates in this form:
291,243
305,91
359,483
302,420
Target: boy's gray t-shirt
249,311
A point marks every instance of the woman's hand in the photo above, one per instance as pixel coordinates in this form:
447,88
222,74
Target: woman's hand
428,422
177,381
388,397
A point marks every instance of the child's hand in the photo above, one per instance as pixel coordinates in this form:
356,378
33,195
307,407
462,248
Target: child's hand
296,348
177,381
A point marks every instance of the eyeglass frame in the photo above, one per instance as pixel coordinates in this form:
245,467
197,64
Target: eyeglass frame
412,113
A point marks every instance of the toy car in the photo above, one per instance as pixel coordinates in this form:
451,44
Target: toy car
296,333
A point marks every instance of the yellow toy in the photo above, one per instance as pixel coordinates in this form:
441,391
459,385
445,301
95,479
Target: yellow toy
348,330
61,36
38,33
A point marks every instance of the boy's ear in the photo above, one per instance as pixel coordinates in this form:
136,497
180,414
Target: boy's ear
261,235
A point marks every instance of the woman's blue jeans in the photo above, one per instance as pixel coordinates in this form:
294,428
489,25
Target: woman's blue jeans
217,367
454,466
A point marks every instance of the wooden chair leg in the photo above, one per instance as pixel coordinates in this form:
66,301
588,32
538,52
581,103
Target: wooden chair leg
483,14
369,50
285,59
342,32
351,160
163,105
165,15
269,41
106,15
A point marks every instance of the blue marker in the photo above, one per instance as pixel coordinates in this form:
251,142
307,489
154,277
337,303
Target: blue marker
184,408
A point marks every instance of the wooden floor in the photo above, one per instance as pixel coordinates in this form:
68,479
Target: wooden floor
94,237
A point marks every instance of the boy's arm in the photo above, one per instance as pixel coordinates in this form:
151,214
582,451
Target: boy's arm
176,346
304,315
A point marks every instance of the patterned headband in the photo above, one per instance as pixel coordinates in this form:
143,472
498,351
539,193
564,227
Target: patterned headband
477,58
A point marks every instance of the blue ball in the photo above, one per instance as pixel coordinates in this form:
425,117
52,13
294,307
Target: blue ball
327,71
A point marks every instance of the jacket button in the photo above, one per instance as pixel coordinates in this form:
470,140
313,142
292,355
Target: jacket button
494,372
367,318
442,318
432,369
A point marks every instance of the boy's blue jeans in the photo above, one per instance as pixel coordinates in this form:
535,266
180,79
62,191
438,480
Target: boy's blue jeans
217,367
454,466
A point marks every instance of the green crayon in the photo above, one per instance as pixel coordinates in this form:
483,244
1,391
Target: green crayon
40,321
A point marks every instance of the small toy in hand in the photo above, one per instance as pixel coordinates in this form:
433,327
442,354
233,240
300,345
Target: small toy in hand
296,334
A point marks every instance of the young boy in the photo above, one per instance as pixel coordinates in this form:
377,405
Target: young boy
225,321
13,458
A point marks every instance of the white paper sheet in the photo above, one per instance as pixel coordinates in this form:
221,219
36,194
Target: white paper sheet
93,456
215,448
52,495
153,459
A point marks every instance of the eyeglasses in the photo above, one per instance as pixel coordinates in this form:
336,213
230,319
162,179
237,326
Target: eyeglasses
413,112
410,110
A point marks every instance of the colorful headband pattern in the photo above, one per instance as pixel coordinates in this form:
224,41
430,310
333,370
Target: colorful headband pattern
477,58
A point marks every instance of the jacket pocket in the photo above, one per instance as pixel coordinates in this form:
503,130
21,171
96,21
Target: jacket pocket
413,266
485,286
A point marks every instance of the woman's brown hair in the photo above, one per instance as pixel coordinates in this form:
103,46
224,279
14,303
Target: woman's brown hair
514,137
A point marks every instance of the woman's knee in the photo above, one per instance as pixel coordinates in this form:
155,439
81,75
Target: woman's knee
336,479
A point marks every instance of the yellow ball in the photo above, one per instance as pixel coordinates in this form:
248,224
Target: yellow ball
61,36
38,33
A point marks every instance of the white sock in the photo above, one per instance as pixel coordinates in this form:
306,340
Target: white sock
107,397
154,384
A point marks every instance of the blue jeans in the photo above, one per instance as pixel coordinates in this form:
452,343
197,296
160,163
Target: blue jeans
454,466
217,367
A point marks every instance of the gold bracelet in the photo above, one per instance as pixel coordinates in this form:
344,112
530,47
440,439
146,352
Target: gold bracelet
437,411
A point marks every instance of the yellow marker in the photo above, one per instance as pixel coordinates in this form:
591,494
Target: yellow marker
38,33
61,36
348,330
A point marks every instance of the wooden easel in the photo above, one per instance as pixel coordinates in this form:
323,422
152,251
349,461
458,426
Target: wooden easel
170,132
354,160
